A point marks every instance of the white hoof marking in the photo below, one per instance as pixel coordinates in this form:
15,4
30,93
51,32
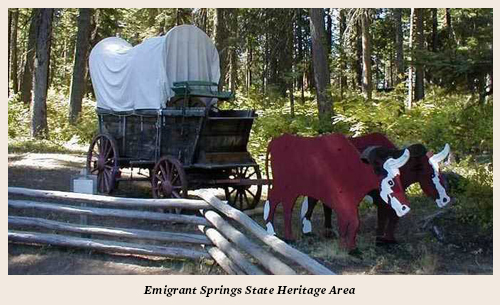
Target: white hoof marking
305,207
266,210
306,226
270,228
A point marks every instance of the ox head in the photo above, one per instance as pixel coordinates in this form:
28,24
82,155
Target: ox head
425,165
386,163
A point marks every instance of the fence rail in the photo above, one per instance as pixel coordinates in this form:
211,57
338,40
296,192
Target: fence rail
232,249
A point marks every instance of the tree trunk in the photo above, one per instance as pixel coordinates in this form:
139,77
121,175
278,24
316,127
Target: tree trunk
13,48
39,109
448,22
177,17
8,53
285,53
367,55
343,62
321,69
359,57
409,101
93,40
400,69
292,57
419,68
203,19
329,33
27,76
249,65
221,43
80,69
233,17
300,54
265,70
434,45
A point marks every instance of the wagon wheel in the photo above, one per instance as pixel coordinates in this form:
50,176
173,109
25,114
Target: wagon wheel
244,197
102,160
169,179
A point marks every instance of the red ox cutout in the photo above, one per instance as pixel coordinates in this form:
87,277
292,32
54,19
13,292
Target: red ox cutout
330,169
419,169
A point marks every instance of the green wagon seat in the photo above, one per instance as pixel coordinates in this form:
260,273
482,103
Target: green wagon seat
200,88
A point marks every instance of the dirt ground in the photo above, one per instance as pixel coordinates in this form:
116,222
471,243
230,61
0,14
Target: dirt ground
444,247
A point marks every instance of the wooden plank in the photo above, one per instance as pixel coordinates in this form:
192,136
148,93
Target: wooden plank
129,214
20,222
229,250
275,243
189,204
267,260
224,261
104,245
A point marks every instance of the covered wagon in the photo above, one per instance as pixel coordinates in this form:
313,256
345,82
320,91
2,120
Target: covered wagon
157,111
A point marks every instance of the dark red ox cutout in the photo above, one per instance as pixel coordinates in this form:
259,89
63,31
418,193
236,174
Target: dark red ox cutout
419,169
330,169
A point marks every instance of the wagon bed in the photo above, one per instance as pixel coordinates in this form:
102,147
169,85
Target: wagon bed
190,144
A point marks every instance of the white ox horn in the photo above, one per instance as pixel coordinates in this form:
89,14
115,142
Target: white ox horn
397,163
441,156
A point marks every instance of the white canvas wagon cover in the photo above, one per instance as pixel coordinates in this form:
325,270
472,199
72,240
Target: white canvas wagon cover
129,78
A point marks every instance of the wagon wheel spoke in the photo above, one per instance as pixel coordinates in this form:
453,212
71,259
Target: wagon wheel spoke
106,178
163,172
176,178
231,192
246,198
103,146
240,199
99,182
103,182
250,192
171,172
245,173
107,155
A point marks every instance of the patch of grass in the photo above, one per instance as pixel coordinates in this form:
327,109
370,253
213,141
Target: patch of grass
428,263
30,145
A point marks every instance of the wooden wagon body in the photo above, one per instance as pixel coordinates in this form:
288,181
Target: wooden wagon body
189,144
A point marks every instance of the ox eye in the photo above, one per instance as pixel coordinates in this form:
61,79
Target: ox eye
391,183
433,176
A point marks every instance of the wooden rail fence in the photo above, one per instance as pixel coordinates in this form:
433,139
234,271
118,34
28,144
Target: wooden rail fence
221,241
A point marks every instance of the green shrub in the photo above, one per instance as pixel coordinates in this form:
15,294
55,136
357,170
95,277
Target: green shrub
60,131
18,117
474,192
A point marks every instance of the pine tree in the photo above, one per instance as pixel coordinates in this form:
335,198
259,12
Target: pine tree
39,128
321,69
80,64
27,76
